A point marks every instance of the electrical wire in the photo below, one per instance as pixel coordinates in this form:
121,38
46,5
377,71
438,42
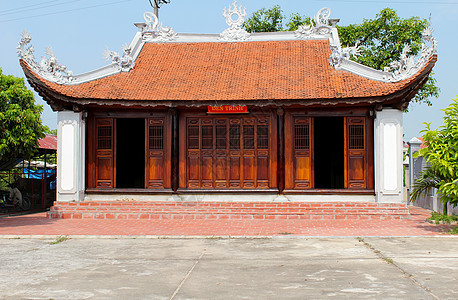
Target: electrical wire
64,11
32,5
36,8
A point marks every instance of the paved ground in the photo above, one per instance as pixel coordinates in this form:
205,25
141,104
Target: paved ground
268,268
38,224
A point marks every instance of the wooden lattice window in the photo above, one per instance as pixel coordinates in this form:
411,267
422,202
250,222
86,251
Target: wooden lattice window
248,137
221,134
104,137
234,136
156,137
193,137
356,137
207,137
301,137
263,137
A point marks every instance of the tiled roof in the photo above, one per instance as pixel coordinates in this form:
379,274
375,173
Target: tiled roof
48,142
266,70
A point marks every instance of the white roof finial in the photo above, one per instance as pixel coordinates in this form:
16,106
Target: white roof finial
235,17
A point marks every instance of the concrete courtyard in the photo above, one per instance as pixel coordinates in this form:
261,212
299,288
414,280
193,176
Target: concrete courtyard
243,268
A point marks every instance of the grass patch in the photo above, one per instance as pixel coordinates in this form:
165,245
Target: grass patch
438,217
388,260
454,230
60,239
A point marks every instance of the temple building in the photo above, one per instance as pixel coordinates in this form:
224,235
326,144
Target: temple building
233,116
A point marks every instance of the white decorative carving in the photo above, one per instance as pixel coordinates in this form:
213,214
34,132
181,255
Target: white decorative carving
321,26
153,31
49,68
407,65
338,54
234,18
124,62
23,52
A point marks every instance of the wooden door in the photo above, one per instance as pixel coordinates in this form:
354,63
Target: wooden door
298,152
228,153
105,153
356,150
158,159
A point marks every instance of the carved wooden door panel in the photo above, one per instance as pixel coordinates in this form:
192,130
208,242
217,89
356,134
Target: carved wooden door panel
104,153
221,153
193,153
356,152
158,153
235,154
262,145
228,152
298,152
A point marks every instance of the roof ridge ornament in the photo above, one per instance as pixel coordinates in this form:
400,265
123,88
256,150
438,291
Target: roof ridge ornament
235,17
407,66
48,68
154,31
320,27
125,62
339,54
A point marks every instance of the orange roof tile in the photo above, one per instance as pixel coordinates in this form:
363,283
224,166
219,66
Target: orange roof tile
265,70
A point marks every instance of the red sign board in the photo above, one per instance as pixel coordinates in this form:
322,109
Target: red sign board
228,109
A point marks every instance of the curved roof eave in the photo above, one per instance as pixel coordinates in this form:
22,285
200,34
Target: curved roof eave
161,67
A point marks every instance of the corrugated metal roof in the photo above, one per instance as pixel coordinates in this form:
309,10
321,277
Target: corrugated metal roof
48,142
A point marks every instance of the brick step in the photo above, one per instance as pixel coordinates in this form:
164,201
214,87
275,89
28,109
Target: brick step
227,210
178,216
227,204
299,212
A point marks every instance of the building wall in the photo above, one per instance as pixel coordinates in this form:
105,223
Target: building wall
387,135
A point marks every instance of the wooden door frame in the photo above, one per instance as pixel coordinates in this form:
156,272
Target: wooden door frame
329,112
198,113
91,148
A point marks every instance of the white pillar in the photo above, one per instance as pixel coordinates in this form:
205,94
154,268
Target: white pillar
70,156
388,156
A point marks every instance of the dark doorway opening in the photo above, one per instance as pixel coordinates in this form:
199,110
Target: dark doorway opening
329,153
130,153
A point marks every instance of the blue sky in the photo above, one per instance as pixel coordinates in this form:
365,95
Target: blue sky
80,30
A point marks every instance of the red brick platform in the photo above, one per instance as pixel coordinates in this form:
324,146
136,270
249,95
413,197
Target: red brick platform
122,210
41,225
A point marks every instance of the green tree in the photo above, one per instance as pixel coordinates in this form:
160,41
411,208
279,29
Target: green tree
20,121
265,20
381,40
271,20
442,154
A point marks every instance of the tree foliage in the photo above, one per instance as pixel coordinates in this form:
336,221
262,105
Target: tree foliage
442,153
20,121
381,40
265,20
427,180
